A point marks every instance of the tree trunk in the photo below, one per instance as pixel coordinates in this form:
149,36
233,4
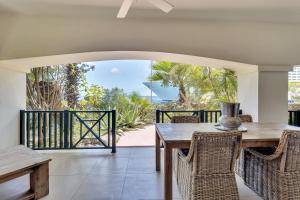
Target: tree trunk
43,94
72,85
183,98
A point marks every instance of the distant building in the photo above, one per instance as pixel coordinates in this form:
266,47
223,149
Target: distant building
162,94
294,76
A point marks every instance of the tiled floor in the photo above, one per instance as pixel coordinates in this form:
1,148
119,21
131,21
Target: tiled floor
98,174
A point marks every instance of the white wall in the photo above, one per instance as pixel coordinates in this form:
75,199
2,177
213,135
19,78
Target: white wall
12,100
273,96
248,93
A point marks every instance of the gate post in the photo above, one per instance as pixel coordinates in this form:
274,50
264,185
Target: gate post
66,129
297,118
113,130
22,127
157,116
201,115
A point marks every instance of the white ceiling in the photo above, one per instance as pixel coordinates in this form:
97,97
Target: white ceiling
179,4
257,10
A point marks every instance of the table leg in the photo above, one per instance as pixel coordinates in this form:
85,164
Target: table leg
157,151
168,172
39,181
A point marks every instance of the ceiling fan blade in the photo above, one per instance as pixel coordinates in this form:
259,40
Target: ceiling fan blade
162,4
124,8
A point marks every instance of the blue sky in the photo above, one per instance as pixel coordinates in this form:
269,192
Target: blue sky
126,74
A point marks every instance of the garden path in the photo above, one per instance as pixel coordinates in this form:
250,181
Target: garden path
141,137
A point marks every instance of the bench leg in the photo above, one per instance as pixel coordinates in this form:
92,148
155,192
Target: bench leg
39,181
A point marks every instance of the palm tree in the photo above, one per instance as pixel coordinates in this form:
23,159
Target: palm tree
176,75
222,83
195,82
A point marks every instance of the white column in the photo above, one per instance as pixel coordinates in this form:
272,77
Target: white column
248,92
12,100
273,93
263,93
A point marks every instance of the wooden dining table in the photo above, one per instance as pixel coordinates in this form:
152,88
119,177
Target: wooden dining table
179,136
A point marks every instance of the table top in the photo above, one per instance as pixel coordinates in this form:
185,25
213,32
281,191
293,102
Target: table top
172,132
19,158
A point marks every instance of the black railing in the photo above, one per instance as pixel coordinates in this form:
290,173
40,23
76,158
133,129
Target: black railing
41,130
205,116
294,117
212,116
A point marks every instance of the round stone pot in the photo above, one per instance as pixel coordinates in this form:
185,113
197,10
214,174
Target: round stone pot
230,115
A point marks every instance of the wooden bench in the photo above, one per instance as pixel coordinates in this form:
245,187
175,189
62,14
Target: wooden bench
19,161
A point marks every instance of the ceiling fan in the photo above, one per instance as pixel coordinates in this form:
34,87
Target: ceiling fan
161,4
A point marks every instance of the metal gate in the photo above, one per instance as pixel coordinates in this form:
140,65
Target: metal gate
42,130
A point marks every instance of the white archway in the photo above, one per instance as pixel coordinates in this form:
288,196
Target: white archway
24,64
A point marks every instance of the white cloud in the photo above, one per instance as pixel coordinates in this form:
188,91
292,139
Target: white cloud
115,70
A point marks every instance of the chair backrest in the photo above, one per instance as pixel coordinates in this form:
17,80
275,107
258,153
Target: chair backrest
289,147
185,119
214,153
246,118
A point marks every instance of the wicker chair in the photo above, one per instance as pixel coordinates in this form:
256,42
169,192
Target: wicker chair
239,164
182,119
246,118
206,171
274,173
185,119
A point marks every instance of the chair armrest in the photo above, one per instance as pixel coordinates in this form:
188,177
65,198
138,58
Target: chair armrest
279,150
184,165
184,174
262,156
183,157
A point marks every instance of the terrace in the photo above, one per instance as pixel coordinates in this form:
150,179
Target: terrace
256,40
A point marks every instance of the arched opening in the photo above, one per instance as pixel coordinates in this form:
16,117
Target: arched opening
239,68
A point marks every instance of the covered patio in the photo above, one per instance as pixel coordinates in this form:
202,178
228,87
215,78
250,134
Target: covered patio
259,40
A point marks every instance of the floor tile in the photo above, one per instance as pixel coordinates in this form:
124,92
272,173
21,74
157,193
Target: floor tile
143,186
100,187
113,165
64,187
141,165
146,152
71,166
